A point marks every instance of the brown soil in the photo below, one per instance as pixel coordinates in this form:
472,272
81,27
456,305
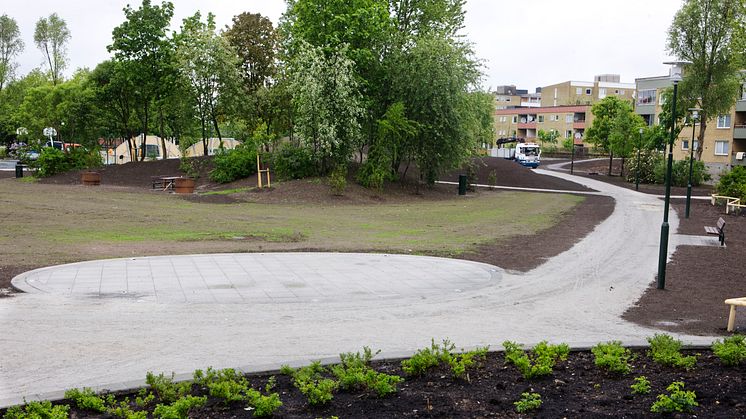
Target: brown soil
576,388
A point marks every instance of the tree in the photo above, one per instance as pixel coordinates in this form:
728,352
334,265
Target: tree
548,136
142,42
605,113
114,94
51,36
327,104
10,46
709,34
208,62
254,39
624,129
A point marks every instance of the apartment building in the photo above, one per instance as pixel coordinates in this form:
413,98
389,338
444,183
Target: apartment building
724,144
586,93
507,97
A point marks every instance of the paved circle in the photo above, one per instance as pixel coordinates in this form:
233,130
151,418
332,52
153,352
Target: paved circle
260,277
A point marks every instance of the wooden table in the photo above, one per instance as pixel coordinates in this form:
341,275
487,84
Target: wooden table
165,182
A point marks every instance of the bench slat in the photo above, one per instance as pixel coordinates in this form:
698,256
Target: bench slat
711,230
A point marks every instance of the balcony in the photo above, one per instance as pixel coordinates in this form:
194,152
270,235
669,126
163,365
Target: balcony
739,132
741,105
527,125
578,125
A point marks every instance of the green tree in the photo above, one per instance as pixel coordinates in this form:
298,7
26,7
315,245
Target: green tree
548,136
10,46
113,93
709,34
51,36
327,104
624,133
142,42
208,62
11,99
605,113
254,39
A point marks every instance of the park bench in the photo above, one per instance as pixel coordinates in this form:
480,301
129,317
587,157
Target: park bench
163,182
719,230
734,302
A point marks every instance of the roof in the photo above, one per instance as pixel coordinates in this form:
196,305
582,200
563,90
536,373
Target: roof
546,109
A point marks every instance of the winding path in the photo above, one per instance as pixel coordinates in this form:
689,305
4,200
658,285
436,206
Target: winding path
50,343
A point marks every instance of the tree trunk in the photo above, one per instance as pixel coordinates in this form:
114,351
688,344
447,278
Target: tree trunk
204,137
163,139
700,139
611,161
144,132
622,172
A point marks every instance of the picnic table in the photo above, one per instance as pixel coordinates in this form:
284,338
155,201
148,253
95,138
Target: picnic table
164,182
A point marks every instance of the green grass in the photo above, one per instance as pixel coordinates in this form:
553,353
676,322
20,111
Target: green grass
54,224
228,191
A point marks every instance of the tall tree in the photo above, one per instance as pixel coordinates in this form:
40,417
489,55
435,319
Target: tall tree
624,130
254,39
605,113
51,36
142,40
208,62
114,94
708,33
10,46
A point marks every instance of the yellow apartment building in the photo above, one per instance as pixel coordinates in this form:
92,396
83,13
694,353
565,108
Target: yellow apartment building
586,93
568,121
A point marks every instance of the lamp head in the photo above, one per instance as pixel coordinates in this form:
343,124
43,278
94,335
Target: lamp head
677,67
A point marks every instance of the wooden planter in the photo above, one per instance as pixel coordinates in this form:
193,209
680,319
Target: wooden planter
184,185
91,178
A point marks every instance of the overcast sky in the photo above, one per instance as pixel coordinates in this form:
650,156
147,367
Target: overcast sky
528,43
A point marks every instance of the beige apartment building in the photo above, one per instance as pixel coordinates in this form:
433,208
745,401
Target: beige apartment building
724,145
586,93
568,121
510,97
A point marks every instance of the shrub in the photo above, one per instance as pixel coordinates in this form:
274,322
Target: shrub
679,400
461,363
3,152
680,172
179,409
648,161
234,164
373,175
354,372
541,360
311,383
52,161
612,356
86,399
37,410
492,178
733,183
665,350
291,162
338,180
527,402
165,389
641,385
731,350
428,358
224,384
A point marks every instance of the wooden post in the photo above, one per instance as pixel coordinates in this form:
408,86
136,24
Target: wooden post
258,173
732,318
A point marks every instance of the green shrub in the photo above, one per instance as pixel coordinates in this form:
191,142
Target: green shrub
291,162
680,172
612,356
338,180
679,400
492,178
428,358
528,402
86,399
165,389
225,384
179,409
665,350
374,175
52,161
3,152
354,372
461,363
648,161
234,164
313,385
731,350
641,385
263,405
733,183
38,410
124,411
539,362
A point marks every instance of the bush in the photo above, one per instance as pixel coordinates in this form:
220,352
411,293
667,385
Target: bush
680,172
641,385
428,358
373,175
613,357
234,164
679,400
52,161
460,363
86,399
311,383
528,401
733,183
3,152
164,387
354,372
731,350
338,180
648,161
291,162
179,409
37,410
541,360
665,350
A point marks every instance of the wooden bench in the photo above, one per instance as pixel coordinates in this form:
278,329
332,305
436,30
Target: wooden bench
734,302
719,230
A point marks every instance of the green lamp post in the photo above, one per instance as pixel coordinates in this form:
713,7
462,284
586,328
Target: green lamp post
695,117
637,172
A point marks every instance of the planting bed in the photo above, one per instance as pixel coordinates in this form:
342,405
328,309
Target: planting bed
576,388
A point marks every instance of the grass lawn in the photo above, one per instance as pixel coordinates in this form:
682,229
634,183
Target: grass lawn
49,224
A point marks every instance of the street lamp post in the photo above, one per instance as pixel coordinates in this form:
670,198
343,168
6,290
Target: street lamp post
637,172
675,76
695,116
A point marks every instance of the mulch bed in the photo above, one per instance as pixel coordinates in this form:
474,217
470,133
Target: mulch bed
576,388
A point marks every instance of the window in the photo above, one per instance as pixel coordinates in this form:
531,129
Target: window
541,118
724,121
601,92
646,97
721,148
507,99
515,119
568,118
588,92
152,151
568,134
578,90
616,92
685,145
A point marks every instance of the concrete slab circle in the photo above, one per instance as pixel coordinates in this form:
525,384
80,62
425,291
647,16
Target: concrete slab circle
261,277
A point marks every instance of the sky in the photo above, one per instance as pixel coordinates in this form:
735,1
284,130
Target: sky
527,43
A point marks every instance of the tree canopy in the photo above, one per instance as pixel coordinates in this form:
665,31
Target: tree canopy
10,46
51,36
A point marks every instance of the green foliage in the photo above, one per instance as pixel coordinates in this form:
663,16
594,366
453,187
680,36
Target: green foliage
52,161
254,40
549,137
647,163
313,385
165,389
492,178
641,385
428,358
665,350
264,405
86,399
124,411
613,357
287,370
338,180
461,363
528,402
144,398
733,183
230,386
678,400
539,362
354,373
731,350
179,409
38,410
680,172
234,164
292,162
605,113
